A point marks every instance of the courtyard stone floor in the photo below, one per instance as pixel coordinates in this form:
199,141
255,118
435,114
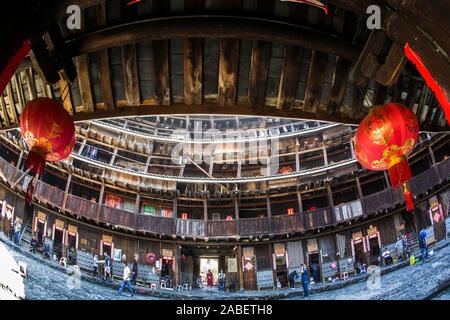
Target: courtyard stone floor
420,281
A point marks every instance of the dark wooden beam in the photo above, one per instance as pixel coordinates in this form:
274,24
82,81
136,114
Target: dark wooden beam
290,73
228,70
339,84
357,103
398,89
130,75
432,106
315,79
103,59
161,71
84,83
66,97
412,91
214,27
422,101
380,94
259,68
160,51
193,62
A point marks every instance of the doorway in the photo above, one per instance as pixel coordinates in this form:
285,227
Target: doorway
250,273
314,265
374,250
281,270
58,243
209,263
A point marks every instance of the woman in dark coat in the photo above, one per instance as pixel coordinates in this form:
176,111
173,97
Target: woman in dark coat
305,280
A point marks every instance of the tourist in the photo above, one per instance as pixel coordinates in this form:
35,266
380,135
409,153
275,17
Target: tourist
292,277
315,272
126,280
405,246
95,265
423,245
200,281
107,267
33,244
134,271
11,232
305,280
209,280
222,281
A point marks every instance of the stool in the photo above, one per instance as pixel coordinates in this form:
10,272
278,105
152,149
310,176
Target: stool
179,287
63,262
153,286
23,269
187,287
163,285
343,275
76,269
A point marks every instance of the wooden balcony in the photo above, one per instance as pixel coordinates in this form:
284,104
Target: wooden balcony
278,224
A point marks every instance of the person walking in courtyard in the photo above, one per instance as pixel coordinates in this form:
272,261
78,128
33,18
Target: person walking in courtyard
423,245
134,270
107,270
222,281
305,280
200,281
209,280
292,277
126,280
95,265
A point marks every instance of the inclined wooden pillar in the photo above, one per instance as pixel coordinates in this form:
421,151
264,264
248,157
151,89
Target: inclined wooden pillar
236,213
100,201
269,212
20,159
360,194
66,192
137,203
331,204
205,211
300,204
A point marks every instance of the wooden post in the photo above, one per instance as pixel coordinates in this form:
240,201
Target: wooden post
239,268
100,201
269,212
66,192
299,199
20,159
361,198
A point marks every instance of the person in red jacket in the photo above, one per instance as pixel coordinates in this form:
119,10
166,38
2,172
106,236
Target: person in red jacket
209,280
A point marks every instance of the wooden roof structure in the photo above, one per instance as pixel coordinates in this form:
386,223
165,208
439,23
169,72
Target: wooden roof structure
247,57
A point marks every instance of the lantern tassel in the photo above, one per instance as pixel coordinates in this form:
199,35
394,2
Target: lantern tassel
35,161
399,174
408,197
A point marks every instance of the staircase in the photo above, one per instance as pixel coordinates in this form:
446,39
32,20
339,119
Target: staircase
413,243
25,239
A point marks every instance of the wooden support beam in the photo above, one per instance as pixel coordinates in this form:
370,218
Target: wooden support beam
380,94
398,89
228,70
11,102
422,101
4,112
290,73
84,83
130,75
357,103
29,79
66,98
16,80
103,59
216,26
412,90
161,71
315,80
431,106
339,84
259,68
193,62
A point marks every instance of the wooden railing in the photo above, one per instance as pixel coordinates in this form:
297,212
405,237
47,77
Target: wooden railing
347,211
245,227
81,206
254,226
222,228
189,227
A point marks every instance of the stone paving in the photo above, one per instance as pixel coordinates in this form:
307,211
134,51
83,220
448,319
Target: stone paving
412,282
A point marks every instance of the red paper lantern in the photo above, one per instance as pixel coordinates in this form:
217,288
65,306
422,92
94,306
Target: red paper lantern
384,139
49,131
